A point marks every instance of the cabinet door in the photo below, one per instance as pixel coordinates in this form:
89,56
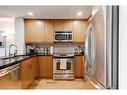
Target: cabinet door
31,70
41,66
79,66
34,31
39,31
49,31
79,30
28,31
24,74
58,25
26,26
48,66
45,66
63,25
27,73
34,61
68,25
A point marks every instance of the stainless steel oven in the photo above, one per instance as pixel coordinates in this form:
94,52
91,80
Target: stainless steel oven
62,36
63,67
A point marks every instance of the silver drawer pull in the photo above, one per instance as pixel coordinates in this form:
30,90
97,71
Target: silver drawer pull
3,72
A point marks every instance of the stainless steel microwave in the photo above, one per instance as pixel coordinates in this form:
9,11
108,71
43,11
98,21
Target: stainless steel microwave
63,36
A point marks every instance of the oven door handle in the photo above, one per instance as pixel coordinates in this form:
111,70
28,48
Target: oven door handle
63,56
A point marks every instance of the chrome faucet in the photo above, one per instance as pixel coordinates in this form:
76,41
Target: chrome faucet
15,50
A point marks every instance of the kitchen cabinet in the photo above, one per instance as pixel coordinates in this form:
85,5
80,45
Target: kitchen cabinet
42,31
27,72
9,82
49,29
63,25
34,31
39,31
79,31
45,66
34,61
79,66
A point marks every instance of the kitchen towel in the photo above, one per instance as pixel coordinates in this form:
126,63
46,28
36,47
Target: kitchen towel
63,64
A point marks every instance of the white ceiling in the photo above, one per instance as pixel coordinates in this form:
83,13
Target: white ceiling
46,12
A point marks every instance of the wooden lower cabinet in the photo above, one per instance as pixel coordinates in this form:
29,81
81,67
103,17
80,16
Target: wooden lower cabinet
34,61
9,82
27,72
79,66
45,67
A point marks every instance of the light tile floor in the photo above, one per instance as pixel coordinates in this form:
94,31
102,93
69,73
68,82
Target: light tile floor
61,84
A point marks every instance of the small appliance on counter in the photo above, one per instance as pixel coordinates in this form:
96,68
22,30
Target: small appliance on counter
51,50
2,40
45,50
79,50
31,49
38,49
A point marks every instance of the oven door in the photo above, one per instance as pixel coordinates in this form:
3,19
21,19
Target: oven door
57,65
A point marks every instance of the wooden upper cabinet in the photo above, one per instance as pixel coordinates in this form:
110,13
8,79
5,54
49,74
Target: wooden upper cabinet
42,31
49,31
63,25
39,24
34,30
28,32
68,25
58,25
79,30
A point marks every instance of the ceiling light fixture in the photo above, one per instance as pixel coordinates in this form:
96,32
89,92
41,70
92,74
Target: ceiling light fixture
30,13
79,13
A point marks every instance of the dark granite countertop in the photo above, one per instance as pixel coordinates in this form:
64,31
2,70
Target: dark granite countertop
6,62
79,54
41,54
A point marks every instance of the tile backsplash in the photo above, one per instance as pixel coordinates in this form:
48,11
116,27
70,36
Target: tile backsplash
63,49
66,48
57,48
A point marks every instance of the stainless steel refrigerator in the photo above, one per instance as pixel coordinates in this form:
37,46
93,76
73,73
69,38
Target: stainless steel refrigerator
101,48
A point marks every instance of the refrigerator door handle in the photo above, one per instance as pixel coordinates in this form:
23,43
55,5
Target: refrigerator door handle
90,48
